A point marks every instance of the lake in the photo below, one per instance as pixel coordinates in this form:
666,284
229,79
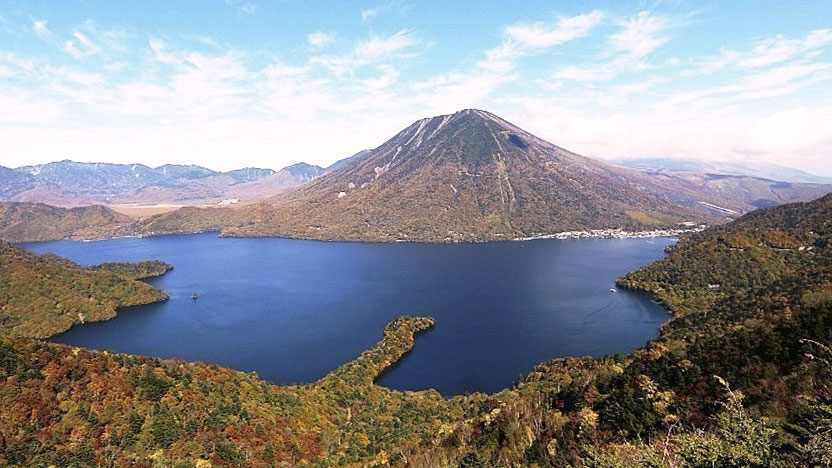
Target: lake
293,310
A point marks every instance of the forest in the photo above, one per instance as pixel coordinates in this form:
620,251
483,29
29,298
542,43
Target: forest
740,375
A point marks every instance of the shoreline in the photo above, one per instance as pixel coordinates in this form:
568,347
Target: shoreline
562,235
614,234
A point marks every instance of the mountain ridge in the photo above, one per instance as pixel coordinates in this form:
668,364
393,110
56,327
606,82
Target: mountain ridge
71,183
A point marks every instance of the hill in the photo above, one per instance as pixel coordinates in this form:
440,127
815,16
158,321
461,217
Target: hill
25,222
41,296
469,176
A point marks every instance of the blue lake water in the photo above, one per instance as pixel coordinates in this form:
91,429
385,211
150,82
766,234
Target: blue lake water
294,310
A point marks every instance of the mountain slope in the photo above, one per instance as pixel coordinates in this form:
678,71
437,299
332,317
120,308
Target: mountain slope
469,176
23,222
45,295
738,192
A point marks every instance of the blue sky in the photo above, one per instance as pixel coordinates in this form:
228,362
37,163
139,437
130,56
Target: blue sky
231,83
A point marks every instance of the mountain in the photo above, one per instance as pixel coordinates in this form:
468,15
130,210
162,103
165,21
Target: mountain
12,182
179,171
738,192
756,169
24,222
469,176
70,183
94,179
348,160
249,174
280,181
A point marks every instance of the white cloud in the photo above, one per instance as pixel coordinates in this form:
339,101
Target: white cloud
527,38
369,13
641,35
599,72
388,76
41,28
765,53
779,49
539,36
320,39
379,47
81,46
159,48
370,51
225,108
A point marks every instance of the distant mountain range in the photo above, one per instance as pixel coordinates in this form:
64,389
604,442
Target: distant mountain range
756,169
69,183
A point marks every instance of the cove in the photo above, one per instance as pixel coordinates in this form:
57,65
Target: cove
294,310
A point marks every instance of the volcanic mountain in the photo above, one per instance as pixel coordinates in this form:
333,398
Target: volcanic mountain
468,176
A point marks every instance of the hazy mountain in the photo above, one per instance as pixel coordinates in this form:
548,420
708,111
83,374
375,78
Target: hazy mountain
69,183
249,174
278,182
190,171
753,169
94,179
738,192
469,176
13,182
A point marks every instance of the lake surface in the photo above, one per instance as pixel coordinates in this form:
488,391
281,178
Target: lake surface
294,310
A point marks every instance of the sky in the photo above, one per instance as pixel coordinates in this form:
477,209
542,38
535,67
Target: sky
234,83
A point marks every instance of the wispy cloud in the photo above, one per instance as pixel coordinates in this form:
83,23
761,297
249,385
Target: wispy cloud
640,35
242,7
526,38
763,53
369,13
540,35
370,51
628,49
320,39
41,28
81,46
607,77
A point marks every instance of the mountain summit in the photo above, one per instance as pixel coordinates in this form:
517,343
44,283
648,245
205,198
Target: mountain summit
470,175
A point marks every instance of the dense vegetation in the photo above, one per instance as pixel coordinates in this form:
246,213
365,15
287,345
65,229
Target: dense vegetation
740,376
136,271
41,296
